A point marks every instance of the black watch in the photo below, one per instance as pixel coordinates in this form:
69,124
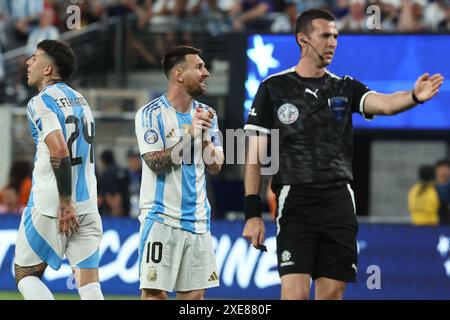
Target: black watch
414,97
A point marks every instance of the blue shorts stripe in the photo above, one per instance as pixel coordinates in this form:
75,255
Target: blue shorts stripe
91,262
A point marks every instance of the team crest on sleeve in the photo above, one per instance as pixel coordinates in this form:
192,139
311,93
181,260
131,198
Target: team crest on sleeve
339,106
287,113
151,137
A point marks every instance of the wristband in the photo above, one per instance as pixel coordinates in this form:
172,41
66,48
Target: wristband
252,206
414,97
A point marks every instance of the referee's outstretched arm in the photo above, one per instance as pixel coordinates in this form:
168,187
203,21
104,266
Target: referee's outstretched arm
254,230
425,88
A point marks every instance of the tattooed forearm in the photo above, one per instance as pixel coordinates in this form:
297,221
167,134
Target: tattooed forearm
159,161
56,162
162,161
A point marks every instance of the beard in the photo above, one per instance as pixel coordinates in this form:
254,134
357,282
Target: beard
196,91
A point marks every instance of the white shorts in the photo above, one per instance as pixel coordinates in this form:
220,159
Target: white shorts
174,259
39,240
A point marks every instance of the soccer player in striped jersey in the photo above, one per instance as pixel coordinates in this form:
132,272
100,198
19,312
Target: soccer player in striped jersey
175,250
61,217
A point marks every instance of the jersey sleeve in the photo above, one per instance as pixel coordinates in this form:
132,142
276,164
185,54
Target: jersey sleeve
260,117
360,92
44,115
148,133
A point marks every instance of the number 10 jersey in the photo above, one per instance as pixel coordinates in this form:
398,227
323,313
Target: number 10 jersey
59,107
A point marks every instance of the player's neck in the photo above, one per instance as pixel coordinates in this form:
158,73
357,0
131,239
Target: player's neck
308,69
179,100
48,82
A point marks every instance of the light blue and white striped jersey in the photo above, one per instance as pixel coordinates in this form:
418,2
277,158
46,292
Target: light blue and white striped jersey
19,9
177,198
59,107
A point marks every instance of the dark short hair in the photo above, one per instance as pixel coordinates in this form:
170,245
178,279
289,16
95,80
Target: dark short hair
176,55
62,56
442,162
304,21
107,157
426,173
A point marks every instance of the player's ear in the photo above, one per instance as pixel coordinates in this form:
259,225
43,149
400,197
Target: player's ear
48,70
302,38
177,74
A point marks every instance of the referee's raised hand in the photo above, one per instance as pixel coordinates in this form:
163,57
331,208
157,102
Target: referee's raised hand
426,86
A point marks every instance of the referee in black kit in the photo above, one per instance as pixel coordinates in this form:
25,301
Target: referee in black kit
312,108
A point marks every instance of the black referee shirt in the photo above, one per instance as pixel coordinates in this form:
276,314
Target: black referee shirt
314,116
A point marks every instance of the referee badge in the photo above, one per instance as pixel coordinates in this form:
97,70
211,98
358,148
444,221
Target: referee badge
287,113
151,137
338,106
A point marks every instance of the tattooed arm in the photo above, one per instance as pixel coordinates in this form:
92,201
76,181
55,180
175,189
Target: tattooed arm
62,168
162,161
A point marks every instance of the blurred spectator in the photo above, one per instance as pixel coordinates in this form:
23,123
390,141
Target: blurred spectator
216,14
304,5
411,15
45,30
445,25
389,14
423,198
142,12
340,8
10,203
355,20
20,16
286,22
435,14
442,171
444,198
248,15
113,187
134,180
14,196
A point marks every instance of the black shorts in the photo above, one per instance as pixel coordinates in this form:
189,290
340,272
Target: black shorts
316,232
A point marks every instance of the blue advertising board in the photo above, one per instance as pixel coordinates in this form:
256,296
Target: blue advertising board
385,63
395,262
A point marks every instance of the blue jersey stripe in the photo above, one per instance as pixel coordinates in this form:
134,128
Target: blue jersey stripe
188,185
207,207
147,112
161,129
159,193
30,202
52,105
82,192
34,131
147,227
165,101
38,244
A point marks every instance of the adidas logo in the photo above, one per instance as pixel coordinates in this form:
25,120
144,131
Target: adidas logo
171,134
213,277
